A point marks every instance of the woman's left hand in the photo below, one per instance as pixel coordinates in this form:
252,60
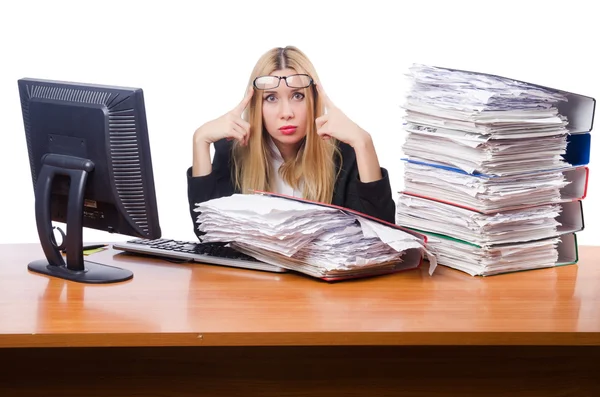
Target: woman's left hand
336,124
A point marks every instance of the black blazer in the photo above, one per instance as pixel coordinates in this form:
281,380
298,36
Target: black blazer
372,198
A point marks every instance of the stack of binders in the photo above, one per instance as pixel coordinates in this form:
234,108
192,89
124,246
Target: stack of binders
495,170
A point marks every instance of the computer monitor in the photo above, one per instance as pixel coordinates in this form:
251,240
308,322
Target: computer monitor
90,162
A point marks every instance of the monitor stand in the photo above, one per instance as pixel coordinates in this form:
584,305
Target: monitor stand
75,268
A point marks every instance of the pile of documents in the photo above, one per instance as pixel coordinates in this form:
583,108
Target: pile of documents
482,193
483,124
322,241
489,170
485,230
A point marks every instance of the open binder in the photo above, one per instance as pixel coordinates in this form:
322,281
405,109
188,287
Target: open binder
579,109
412,258
567,253
570,217
575,190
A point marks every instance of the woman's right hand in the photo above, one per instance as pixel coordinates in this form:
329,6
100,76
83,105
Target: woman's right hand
229,126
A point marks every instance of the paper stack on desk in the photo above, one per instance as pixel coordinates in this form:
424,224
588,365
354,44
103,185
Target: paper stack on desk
482,193
483,124
322,241
505,227
490,174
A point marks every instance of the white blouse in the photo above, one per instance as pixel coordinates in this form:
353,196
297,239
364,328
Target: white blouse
280,186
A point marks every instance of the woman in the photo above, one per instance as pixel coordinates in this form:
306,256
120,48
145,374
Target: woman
286,143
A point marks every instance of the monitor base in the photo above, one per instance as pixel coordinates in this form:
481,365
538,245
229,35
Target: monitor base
94,273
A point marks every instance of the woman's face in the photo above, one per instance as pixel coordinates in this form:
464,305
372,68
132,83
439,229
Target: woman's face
285,110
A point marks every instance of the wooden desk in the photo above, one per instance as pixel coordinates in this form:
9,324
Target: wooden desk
214,331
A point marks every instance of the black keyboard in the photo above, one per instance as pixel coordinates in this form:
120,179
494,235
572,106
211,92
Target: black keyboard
209,253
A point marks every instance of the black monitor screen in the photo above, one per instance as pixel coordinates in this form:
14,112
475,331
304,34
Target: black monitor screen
95,138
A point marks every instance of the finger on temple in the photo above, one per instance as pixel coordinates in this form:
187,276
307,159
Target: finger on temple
244,103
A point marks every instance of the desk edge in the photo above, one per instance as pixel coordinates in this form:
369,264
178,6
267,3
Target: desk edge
302,339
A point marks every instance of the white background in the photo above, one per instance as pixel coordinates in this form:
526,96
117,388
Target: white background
193,60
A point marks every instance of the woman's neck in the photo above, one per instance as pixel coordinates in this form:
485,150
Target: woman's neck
288,152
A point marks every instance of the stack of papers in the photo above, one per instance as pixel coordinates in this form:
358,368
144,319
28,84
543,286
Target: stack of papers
483,96
489,261
484,169
492,157
484,230
482,193
483,124
319,240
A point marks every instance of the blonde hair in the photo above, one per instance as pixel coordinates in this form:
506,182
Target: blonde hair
314,163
